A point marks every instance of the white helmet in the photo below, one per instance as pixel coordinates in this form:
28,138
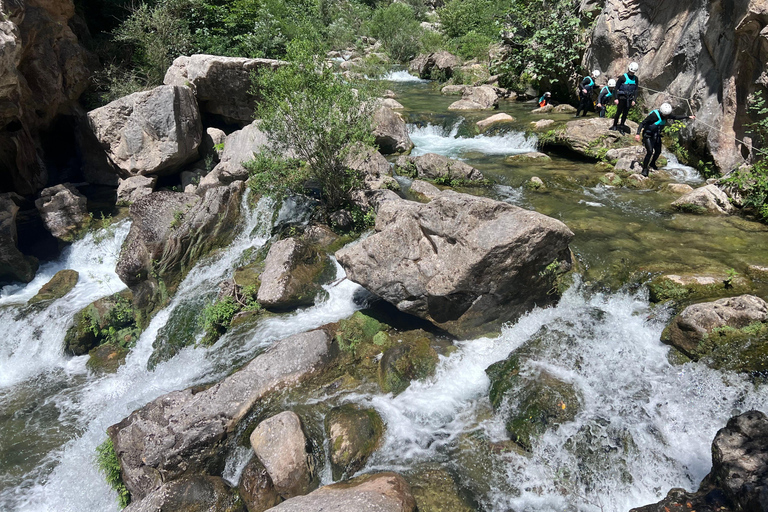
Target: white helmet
547,94
596,73
611,83
633,67
665,109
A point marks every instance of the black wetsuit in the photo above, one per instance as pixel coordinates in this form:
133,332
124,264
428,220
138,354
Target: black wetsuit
603,98
626,91
585,100
652,126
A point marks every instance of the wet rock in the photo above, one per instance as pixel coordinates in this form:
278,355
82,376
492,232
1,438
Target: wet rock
291,277
523,158
432,166
109,319
638,180
696,287
106,358
535,183
222,85
134,188
464,263
390,131
374,168
543,110
256,488
612,179
150,132
64,210
587,136
424,189
381,492
353,434
239,147
564,109
59,285
677,188
544,123
184,432
727,333
434,66
412,359
14,266
436,491
706,199
393,104
498,118
453,89
483,97
196,493
280,445
738,480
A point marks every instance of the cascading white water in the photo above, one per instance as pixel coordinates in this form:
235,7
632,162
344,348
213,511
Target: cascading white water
681,173
445,141
402,76
66,477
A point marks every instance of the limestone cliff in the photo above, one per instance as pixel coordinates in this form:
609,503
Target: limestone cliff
711,51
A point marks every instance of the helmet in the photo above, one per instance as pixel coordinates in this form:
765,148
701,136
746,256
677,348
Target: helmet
665,109
611,83
596,73
633,67
547,94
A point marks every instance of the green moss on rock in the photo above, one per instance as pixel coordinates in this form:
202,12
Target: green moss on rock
354,434
412,358
110,319
59,285
690,288
106,358
435,490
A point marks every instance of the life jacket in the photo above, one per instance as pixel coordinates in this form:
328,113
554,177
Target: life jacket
606,90
629,87
591,82
660,122
543,101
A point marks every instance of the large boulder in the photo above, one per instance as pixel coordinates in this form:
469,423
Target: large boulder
727,333
291,277
374,168
435,66
223,85
256,487
43,72
412,358
738,481
239,147
280,444
134,188
465,263
706,199
185,432
64,210
354,434
483,97
390,131
14,266
587,136
196,493
150,132
432,166
381,492
713,54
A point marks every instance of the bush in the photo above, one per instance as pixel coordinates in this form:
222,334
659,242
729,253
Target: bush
459,17
397,29
217,316
473,45
431,41
309,110
109,465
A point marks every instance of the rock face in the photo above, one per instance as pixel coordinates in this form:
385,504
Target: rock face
193,494
713,53
460,261
390,131
291,275
433,166
434,65
222,85
43,71
483,97
239,147
280,445
382,492
134,188
739,477
354,435
63,210
150,132
706,199
14,266
184,431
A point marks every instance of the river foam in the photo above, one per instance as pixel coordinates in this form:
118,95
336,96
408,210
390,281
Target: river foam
446,141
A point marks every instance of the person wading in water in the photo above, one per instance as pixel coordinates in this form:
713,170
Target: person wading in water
651,128
626,90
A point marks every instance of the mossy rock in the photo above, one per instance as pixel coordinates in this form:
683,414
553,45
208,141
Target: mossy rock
435,490
181,330
688,288
354,434
357,330
59,285
408,360
110,319
106,358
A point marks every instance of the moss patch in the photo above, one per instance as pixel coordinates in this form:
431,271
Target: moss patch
108,320
59,285
354,435
411,358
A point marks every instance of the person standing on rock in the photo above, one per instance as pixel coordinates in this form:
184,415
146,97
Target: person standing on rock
585,93
606,93
651,128
626,91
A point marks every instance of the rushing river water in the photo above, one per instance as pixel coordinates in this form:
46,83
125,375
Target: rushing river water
644,427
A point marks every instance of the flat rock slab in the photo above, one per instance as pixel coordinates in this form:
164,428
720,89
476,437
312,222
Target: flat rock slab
383,492
182,432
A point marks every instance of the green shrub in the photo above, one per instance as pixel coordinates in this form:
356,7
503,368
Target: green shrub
109,465
432,41
474,45
217,316
459,17
398,30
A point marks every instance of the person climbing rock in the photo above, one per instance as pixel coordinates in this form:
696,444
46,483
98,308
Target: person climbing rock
585,93
626,91
544,100
651,127
606,93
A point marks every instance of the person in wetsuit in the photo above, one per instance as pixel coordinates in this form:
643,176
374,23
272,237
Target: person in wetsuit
651,128
585,93
626,92
606,93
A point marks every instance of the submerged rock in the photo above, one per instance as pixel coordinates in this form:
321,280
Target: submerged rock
14,266
436,491
390,131
354,434
432,166
523,157
380,492
184,432
106,358
706,199
465,263
411,359
727,333
64,211
256,488
59,285
196,493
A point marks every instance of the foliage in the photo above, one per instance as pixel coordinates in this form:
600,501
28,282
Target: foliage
459,17
276,176
109,465
432,41
473,45
310,111
396,27
758,108
217,316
